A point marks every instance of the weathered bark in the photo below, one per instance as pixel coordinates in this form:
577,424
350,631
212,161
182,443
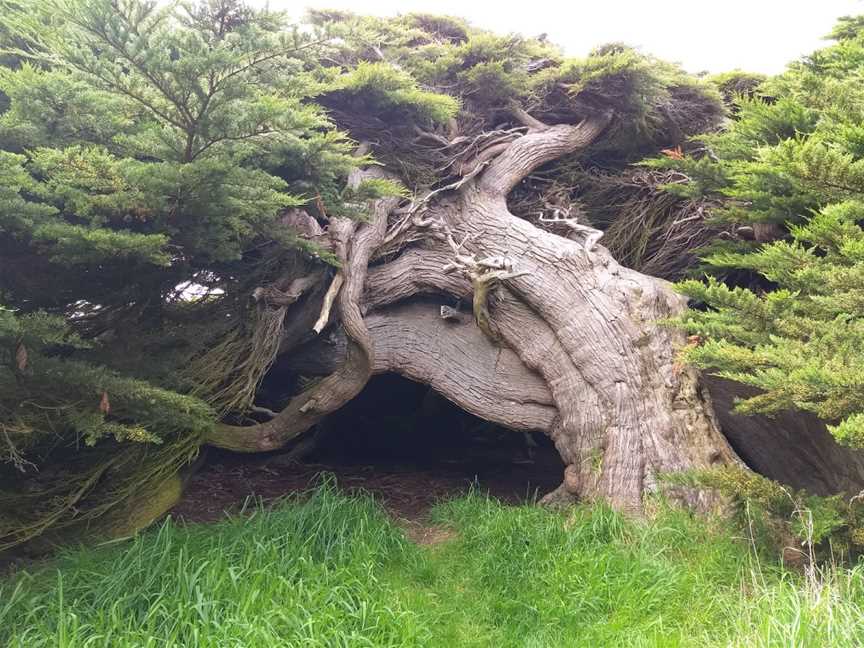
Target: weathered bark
452,357
354,246
455,359
566,340
588,326
626,412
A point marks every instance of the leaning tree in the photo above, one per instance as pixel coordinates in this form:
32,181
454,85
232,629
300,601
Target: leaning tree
517,315
182,214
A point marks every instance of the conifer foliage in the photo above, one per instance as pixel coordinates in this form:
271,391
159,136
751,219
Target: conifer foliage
149,152
789,170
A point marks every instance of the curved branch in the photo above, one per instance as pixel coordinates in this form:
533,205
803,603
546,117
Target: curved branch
415,272
452,357
536,148
463,365
531,123
309,407
275,296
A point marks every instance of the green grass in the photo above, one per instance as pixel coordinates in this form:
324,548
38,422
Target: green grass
332,570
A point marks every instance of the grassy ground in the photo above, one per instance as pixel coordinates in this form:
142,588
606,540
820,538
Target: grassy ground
334,571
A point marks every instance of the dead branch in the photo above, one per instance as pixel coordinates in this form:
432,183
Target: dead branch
274,297
561,216
329,298
354,245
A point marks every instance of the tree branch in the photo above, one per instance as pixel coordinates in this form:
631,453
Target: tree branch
413,341
354,244
536,148
531,123
329,298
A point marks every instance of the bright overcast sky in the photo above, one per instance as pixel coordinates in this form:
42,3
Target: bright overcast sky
713,35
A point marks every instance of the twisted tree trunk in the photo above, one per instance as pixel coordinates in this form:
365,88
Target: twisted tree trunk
562,338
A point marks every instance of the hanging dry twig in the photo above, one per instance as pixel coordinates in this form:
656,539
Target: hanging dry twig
562,216
329,298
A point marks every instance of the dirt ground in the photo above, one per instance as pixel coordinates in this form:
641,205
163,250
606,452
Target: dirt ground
397,440
227,481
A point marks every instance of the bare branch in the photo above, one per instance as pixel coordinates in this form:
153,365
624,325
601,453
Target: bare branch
274,296
307,408
263,410
536,148
449,313
435,137
329,298
562,216
531,123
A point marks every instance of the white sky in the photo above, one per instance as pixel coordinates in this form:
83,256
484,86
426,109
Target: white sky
713,35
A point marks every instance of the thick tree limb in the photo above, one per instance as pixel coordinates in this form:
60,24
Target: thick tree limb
354,247
454,358
414,273
531,123
535,149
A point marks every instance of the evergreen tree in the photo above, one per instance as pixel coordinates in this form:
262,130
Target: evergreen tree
150,154
790,173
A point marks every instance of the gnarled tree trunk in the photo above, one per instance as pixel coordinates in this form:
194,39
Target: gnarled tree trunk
562,338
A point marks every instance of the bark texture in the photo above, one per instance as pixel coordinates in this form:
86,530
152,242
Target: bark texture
458,361
553,334
354,245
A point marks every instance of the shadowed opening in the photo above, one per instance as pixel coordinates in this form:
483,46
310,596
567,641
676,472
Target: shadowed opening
399,440
397,423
